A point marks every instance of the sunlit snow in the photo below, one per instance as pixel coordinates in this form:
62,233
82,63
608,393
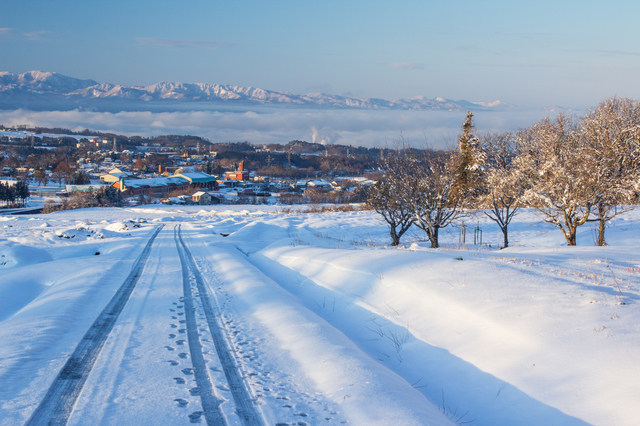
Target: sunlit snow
328,324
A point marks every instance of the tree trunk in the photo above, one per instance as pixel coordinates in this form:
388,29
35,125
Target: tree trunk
602,223
434,237
506,239
603,209
395,239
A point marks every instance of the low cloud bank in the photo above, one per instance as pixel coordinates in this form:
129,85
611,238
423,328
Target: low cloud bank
347,127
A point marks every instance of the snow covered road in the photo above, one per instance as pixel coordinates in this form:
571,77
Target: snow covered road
180,341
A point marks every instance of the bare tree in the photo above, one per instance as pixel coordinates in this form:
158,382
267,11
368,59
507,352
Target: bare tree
441,185
385,197
431,193
503,188
40,177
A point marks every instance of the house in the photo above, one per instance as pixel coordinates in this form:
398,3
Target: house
319,184
115,175
201,197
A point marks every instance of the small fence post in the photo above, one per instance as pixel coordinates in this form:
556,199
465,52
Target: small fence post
477,235
462,234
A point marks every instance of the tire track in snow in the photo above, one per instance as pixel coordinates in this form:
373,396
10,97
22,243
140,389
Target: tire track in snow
210,403
58,403
245,407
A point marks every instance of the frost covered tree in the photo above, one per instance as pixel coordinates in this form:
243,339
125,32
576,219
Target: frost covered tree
430,192
385,197
558,174
502,184
611,134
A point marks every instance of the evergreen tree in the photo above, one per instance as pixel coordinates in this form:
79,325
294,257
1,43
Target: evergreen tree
469,172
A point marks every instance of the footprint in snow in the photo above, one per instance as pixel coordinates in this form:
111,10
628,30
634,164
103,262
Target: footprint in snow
195,416
194,391
172,336
179,380
183,355
181,402
188,371
180,342
170,348
172,362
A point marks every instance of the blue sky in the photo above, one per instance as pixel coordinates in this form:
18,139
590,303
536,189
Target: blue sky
540,53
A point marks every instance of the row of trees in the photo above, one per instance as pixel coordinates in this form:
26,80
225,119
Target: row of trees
11,194
102,197
571,170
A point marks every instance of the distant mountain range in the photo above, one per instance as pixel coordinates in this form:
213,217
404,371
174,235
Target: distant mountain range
35,90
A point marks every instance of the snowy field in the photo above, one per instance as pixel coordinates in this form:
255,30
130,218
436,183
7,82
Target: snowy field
318,320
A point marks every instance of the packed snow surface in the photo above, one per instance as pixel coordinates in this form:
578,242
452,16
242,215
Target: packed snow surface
325,323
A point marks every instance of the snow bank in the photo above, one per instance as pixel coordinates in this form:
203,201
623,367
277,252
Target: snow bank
365,391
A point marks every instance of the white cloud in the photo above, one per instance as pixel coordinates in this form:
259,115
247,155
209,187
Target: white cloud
35,35
29,35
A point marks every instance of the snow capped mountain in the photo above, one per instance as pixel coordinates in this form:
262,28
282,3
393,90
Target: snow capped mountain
49,90
42,81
